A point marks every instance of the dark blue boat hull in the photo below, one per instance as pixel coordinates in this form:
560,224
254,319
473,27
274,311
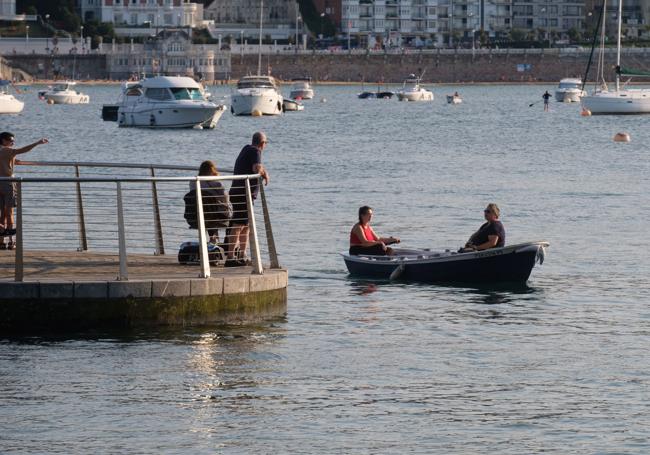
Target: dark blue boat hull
491,266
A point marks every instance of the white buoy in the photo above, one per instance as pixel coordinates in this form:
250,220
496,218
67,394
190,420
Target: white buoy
256,113
622,137
197,127
323,100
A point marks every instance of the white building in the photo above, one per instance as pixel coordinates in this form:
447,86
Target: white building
8,12
155,13
389,21
170,53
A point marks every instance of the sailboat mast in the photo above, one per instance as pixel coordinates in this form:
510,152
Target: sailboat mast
618,43
259,50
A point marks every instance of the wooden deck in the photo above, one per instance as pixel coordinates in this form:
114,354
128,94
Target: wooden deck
60,266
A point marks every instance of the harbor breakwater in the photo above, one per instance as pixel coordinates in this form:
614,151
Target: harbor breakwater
441,66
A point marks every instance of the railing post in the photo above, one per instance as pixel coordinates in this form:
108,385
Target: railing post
252,233
83,241
124,270
203,240
19,266
273,254
157,224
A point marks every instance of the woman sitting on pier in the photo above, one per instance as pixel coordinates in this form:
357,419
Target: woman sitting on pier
364,240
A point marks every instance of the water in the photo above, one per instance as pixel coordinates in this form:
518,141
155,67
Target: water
370,367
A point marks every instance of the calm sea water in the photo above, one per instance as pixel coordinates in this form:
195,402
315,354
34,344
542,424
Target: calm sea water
371,367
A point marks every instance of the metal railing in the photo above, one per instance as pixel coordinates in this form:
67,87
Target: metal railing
85,206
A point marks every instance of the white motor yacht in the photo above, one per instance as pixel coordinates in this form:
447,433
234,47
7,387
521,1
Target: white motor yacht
569,90
411,90
621,100
8,103
302,89
166,102
64,93
256,95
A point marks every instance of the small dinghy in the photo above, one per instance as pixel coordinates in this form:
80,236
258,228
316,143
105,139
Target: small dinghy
292,105
454,99
509,264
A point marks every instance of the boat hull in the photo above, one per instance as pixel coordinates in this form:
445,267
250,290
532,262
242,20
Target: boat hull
266,102
67,99
10,105
421,95
624,102
512,264
569,96
152,115
305,94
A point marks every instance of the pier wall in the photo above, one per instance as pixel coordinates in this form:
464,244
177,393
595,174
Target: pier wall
445,66
438,67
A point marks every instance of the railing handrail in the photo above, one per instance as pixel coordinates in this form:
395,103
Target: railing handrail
176,167
130,179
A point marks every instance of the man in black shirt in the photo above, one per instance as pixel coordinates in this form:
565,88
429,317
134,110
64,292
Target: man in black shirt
492,234
248,162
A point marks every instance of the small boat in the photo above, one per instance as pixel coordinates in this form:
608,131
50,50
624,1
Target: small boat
63,93
256,95
302,89
292,105
569,90
8,103
164,102
379,94
454,99
509,264
411,90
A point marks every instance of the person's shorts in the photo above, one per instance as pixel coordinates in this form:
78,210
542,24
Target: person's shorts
8,193
239,209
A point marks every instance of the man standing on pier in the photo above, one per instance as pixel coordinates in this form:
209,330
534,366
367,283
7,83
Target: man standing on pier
248,162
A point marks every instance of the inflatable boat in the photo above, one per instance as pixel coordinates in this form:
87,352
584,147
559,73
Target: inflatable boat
509,264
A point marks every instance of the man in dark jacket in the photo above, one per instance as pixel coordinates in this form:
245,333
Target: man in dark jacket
248,162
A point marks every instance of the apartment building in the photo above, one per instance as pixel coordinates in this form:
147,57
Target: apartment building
156,13
547,18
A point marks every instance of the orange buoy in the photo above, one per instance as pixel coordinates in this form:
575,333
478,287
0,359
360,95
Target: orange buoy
585,112
622,137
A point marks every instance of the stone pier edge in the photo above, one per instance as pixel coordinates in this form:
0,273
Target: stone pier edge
33,306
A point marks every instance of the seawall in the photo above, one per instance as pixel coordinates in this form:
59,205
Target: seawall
443,66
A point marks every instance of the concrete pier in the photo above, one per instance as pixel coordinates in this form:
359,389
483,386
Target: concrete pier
79,290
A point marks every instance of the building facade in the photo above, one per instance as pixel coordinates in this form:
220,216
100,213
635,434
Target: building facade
155,13
170,53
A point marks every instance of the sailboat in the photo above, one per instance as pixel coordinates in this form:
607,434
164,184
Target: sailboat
257,95
621,100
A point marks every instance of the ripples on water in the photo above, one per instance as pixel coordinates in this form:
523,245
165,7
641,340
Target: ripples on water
373,367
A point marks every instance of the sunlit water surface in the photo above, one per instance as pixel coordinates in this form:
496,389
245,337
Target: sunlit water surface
362,367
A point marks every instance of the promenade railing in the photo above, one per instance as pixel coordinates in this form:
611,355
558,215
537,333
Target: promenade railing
86,206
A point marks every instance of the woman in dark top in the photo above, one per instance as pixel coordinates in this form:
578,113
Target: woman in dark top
492,234
364,240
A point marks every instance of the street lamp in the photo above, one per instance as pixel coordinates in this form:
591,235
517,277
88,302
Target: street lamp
297,20
47,36
26,37
322,20
82,39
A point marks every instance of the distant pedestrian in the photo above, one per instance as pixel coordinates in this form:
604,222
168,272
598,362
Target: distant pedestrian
546,96
8,189
248,162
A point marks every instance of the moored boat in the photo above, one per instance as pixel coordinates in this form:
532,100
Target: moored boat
454,99
292,105
165,102
509,264
8,103
569,90
302,89
64,93
411,90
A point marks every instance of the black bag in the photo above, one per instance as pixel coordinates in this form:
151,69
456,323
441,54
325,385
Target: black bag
217,209
189,253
